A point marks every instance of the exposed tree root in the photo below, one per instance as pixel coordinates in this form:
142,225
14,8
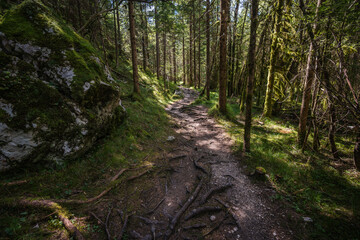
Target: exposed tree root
197,166
19,182
105,224
195,226
214,190
175,219
232,213
76,201
217,225
154,209
201,210
123,227
139,175
177,157
53,206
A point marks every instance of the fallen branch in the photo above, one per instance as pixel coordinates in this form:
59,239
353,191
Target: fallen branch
53,206
76,201
183,209
201,210
214,190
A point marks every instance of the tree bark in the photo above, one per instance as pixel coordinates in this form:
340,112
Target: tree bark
174,60
119,32
164,58
184,62
309,79
232,69
199,46
133,48
251,75
144,36
194,45
223,52
273,58
190,51
207,50
239,51
157,43
115,33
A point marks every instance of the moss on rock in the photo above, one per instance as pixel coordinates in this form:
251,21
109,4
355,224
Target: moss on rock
53,85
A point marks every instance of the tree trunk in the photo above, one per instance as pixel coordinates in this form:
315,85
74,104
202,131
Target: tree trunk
194,45
223,62
190,51
157,43
144,36
133,47
184,62
309,79
239,51
273,58
164,58
232,70
119,32
174,60
251,75
115,33
207,50
199,50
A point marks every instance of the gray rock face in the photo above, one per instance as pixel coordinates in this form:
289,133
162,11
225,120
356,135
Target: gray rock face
57,98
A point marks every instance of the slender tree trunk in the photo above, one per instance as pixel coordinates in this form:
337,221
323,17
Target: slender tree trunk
207,49
133,47
157,43
190,51
184,62
239,51
116,40
174,60
144,36
223,48
199,50
273,58
232,70
164,57
120,43
251,77
309,79
194,45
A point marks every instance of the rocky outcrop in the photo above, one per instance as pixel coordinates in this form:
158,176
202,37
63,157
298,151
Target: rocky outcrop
56,96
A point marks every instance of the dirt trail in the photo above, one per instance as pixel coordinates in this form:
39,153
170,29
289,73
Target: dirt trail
203,151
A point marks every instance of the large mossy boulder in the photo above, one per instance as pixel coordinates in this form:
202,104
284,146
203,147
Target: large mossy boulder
56,96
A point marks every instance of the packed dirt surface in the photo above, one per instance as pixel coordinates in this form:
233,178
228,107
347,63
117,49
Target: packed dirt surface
206,193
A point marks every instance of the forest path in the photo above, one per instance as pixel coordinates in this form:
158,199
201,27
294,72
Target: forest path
202,150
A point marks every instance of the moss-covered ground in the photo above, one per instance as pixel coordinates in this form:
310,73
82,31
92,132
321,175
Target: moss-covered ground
327,191
136,142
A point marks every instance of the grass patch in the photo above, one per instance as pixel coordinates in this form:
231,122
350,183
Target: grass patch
314,187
